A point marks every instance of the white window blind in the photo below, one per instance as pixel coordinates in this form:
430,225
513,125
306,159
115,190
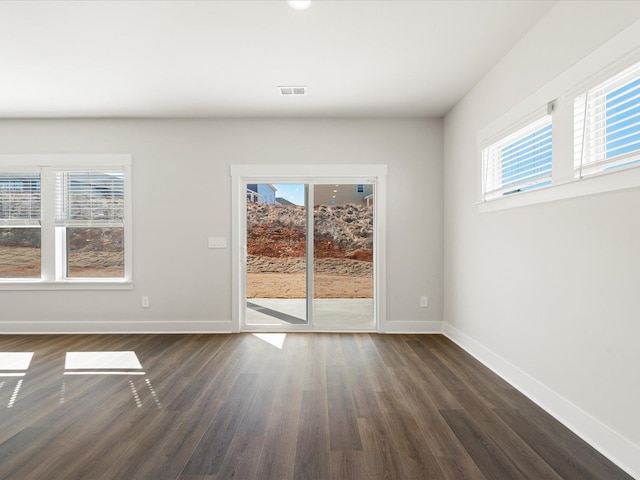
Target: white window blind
607,124
19,199
90,198
520,161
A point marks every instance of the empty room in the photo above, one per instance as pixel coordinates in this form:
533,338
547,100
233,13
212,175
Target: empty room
325,239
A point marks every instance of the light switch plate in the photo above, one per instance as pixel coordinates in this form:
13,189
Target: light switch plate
217,242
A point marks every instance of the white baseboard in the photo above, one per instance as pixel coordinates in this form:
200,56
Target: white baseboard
609,443
204,326
412,326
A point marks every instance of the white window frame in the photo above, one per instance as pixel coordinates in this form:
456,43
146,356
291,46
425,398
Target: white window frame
53,248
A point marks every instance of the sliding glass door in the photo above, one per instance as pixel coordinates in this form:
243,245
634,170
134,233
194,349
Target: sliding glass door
309,255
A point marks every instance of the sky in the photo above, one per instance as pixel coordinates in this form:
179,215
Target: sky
294,192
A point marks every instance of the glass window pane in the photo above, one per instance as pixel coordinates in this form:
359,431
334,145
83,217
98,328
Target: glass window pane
527,158
20,196
276,285
20,253
95,252
520,161
623,120
90,196
343,254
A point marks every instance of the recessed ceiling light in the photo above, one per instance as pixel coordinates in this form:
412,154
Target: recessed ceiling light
299,4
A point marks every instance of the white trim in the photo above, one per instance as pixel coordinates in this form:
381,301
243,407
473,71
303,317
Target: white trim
605,182
80,160
76,284
309,195
619,450
305,171
380,250
20,327
413,326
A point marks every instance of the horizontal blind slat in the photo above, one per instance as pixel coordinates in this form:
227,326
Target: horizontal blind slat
527,157
531,172
602,125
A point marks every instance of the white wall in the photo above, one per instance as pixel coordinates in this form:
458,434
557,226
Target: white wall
548,294
181,195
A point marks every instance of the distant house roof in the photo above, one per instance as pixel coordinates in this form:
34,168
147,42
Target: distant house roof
283,201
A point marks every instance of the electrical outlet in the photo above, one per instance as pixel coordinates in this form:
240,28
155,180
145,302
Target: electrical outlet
145,301
424,301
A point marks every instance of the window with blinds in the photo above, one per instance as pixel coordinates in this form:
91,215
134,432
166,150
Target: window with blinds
519,161
19,199
65,220
94,198
20,215
90,211
607,124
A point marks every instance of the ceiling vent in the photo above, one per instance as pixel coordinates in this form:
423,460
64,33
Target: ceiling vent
291,91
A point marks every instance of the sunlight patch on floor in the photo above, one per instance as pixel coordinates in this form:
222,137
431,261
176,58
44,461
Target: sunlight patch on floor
275,339
78,360
102,363
15,360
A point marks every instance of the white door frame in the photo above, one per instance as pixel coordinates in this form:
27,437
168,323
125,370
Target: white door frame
243,174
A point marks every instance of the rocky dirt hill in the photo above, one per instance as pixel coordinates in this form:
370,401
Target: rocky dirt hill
343,251
341,231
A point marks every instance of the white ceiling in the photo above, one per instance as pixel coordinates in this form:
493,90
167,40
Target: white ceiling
225,58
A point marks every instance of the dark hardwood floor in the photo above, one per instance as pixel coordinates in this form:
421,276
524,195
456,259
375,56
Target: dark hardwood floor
325,406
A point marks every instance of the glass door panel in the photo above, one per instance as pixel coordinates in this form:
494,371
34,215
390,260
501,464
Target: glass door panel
343,255
276,268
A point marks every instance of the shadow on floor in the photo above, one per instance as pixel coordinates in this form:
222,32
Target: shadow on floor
276,314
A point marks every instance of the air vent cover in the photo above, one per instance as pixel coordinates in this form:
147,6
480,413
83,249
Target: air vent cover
293,90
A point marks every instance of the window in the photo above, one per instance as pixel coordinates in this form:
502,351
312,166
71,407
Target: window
19,225
596,134
519,161
65,221
90,219
607,124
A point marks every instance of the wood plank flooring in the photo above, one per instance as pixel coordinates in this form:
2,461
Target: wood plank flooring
324,406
